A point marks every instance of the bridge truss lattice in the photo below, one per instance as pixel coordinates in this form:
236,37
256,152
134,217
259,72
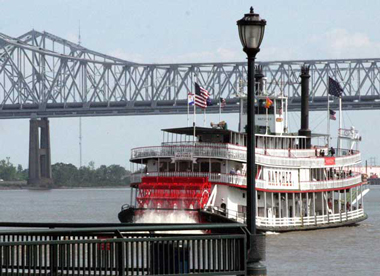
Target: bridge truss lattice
43,75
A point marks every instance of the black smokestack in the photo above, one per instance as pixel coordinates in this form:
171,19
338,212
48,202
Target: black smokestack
305,131
259,83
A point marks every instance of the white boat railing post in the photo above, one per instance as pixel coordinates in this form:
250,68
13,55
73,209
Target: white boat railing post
315,214
301,209
340,206
345,203
362,197
327,207
333,202
323,207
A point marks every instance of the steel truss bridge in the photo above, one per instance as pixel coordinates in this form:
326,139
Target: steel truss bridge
43,75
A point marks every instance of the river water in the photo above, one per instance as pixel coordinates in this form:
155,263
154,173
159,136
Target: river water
340,251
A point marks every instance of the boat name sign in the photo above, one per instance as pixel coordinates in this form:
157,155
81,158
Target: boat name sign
183,156
329,161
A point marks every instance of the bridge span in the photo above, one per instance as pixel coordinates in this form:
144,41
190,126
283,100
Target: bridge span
43,75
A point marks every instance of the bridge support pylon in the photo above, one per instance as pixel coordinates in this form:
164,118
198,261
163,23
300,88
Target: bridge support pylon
39,154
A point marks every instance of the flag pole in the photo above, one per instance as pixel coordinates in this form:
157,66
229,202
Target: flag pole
340,125
194,121
220,109
204,117
328,114
188,109
266,120
194,115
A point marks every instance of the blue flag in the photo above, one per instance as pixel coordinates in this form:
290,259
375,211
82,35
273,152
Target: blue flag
190,99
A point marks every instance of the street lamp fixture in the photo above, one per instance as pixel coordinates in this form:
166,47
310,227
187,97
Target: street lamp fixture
251,33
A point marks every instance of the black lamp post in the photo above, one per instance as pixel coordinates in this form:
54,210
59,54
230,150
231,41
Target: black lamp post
251,33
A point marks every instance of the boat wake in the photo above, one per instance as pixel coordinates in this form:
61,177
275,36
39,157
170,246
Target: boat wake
158,216
271,233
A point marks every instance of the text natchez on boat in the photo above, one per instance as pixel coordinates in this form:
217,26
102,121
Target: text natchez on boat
301,181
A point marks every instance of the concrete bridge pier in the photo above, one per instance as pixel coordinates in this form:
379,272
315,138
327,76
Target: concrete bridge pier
39,154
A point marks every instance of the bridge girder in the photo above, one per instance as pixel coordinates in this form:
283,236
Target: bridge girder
43,75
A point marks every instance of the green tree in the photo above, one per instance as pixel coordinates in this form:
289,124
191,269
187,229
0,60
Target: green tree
70,176
8,172
65,174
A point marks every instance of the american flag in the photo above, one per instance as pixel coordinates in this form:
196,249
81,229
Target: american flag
201,96
223,102
332,115
334,88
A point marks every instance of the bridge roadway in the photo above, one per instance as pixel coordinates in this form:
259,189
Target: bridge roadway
43,75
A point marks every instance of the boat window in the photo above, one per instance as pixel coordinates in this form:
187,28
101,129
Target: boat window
164,166
215,167
205,167
278,107
184,166
260,108
171,167
242,209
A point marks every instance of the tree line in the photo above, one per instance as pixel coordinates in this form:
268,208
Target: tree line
68,175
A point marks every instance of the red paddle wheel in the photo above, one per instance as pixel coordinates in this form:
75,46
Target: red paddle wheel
173,192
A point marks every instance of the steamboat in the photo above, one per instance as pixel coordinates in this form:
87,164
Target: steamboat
302,182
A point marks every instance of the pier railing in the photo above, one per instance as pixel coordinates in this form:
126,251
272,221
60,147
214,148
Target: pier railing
202,249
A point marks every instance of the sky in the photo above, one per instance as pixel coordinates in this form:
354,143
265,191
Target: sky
185,31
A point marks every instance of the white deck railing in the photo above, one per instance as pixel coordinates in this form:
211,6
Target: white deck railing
317,162
261,184
309,220
269,157
310,185
199,150
330,184
212,177
291,152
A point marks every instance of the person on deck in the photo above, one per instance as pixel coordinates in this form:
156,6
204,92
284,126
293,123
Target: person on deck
348,206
